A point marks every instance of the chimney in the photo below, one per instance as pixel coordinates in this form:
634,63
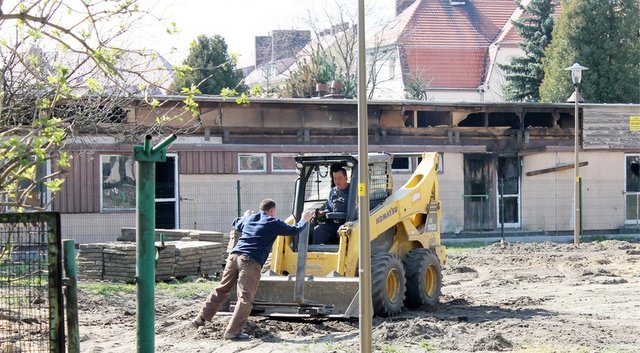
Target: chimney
287,43
263,50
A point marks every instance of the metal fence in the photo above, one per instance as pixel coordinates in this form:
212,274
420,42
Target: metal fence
31,303
542,206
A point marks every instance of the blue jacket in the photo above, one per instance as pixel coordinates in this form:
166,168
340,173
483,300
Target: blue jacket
259,231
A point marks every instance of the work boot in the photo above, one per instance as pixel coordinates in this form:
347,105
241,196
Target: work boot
237,336
197,322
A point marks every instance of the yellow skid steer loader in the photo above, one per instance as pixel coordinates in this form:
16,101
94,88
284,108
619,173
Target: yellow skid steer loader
407,257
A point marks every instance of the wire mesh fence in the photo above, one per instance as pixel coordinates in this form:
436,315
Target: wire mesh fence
31,284
540,206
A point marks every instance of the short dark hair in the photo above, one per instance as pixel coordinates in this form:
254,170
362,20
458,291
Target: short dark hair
267,204
339,170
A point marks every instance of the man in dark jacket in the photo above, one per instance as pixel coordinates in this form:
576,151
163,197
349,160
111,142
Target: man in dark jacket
326,232
244,264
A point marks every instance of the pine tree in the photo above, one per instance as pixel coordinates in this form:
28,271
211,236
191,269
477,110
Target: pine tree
601,35
525,73
212,69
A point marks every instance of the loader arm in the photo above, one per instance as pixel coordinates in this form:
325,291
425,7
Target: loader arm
409,217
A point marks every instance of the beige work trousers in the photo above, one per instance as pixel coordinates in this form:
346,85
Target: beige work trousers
244,273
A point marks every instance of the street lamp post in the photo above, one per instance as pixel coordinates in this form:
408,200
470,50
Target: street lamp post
576,76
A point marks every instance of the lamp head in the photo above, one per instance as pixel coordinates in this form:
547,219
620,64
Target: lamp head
576,72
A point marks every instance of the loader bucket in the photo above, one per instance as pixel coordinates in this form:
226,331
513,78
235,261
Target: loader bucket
323,296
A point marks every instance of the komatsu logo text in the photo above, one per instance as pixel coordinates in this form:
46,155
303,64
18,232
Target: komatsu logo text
387,214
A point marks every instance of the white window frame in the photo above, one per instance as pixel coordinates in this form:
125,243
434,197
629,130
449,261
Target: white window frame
47,193
440,162
262,156
409,166
176,197
282,155
392,67
114,209
627,193
517,196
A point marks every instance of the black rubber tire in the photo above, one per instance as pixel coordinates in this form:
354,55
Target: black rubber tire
424,278
387,284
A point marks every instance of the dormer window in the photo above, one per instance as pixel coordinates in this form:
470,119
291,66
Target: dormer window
392,67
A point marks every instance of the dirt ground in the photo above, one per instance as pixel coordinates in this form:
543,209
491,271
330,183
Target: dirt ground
534,297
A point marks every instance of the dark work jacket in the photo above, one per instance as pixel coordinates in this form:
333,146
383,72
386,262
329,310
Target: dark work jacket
259,231
338,200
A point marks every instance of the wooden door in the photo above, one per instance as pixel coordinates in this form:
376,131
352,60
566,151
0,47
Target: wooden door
479,194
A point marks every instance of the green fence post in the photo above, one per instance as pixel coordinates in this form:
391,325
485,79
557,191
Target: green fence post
145,238
238,198
70,280
502,208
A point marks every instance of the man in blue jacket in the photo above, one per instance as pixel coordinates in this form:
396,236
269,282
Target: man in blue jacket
244,264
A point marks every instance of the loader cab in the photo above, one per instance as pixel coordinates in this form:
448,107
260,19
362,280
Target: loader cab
314,181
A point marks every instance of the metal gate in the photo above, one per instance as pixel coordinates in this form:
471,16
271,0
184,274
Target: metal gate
31,302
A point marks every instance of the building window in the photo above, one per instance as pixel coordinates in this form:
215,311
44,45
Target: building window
252,162
632,188
401,164
508,191
282,163
39,196
392,67
118,183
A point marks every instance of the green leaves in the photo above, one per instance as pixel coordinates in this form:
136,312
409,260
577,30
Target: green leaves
227,92
172,28
601,35
209,67
190,104
66,74
524,74
94,85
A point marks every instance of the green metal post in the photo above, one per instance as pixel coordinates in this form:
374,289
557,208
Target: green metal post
145,254
502,208
238,197
71,293
579,181
145,238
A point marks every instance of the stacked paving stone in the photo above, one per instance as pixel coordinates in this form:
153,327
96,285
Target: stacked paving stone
184,253
129,234
119,262
210,236
166,261
197,258
91,261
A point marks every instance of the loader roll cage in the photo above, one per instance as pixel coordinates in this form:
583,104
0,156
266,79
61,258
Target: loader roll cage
314,182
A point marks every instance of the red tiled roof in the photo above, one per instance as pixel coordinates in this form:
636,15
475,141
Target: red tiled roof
447,67
449,42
